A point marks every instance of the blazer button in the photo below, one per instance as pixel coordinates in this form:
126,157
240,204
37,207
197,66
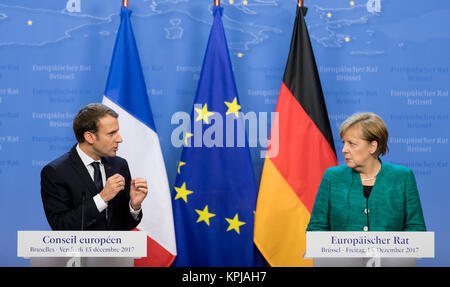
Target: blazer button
366,228
366,211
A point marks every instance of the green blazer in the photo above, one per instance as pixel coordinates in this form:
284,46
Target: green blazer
394,203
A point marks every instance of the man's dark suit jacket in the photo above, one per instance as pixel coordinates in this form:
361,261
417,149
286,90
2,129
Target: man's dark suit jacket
63,182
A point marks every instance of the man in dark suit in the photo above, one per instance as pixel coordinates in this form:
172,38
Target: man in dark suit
90,188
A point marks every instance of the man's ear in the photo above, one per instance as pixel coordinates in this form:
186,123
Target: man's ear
89,137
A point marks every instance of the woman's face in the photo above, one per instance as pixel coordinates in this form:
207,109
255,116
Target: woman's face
357,151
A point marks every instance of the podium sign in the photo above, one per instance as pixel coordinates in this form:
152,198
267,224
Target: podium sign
81,244
322,244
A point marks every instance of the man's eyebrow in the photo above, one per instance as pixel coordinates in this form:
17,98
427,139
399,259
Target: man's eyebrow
113,131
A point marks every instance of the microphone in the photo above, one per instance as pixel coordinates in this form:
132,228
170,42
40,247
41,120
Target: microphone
83,197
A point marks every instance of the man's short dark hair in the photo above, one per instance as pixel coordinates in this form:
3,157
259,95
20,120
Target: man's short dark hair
87,119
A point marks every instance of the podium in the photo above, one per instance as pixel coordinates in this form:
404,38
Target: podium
368,249
81,248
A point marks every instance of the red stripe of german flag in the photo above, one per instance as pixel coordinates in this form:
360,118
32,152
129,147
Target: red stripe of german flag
304,148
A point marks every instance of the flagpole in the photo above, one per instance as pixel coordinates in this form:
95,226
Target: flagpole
125,3
216,3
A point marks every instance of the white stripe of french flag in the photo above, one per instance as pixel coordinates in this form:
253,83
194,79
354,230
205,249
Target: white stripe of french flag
141,148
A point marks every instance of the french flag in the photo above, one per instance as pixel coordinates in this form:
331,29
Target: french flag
126,93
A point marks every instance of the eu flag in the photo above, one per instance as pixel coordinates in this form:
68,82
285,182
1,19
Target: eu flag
214,196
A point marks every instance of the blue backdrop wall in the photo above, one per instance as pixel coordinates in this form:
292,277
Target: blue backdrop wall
389,57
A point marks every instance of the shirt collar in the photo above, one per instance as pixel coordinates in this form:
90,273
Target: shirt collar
87,160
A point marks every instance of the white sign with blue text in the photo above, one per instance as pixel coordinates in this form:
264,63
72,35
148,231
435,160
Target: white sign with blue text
81,244
369,244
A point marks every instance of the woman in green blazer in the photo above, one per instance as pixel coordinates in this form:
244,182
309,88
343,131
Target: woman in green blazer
366,194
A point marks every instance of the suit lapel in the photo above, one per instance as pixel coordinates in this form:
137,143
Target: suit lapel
356,195
108,173
378,191
346,180
108,167
82,172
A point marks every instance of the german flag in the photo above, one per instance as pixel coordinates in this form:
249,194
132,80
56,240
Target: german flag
302,149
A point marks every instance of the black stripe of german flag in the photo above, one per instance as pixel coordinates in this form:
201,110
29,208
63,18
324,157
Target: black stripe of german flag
302,78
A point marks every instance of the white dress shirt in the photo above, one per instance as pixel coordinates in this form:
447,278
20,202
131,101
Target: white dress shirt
99,202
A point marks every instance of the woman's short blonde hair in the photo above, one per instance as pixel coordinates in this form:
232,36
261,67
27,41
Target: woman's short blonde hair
372,128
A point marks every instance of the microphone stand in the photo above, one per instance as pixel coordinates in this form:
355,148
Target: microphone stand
367,190
367,213
83,197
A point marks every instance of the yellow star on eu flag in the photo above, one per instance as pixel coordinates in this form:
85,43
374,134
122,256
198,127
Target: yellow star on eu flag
203,114
204,215
234,223
182,192
233,107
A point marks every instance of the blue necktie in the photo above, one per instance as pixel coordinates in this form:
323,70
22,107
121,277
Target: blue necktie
97,176
99,184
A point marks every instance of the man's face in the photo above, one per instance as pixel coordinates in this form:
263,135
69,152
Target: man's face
107,138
